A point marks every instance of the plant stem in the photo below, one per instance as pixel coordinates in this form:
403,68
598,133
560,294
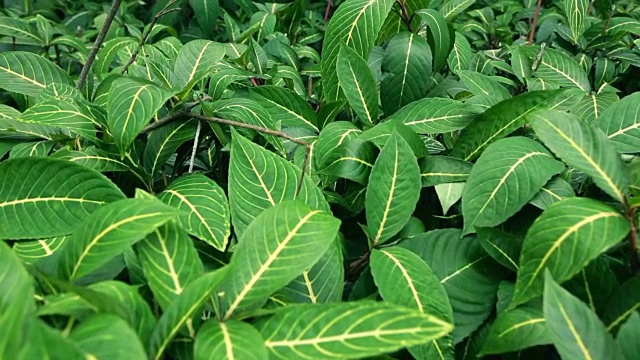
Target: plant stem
307,152
97,44
327,10
405,15
147,32
194,151
532,33
633,239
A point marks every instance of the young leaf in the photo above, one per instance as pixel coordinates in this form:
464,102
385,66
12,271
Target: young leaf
358,85
110,230
348,330
393,191
435,115
506,176
229,340
576,12
583,147
42,198
441,38
27,73
576,331
551,241
515,330
278,245
205,208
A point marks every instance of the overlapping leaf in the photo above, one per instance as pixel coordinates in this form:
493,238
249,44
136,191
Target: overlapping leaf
559,68
108,337
621,123
576,12
67,114
515,330
436,170
196,59
286,106
163,142
435,115
229,340
440,37
27,73
358,85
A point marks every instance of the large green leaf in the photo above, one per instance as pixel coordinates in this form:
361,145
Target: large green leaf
170,262
393,190
621,123
63,113
162,143
348,330
205,208
105,336
183,310
408,61
557,67
260,179
576,13
552,242
130,106
435,115
441,38
515,330
286,106
19,29
43,198
229,340
278,245
27,73
467,273
109,231
355,23
499,121
461,54
196,59
357,83
553,191
583,147
575,330
207,13
507,175
403,278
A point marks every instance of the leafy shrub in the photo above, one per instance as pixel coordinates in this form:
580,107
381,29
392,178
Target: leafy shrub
319,179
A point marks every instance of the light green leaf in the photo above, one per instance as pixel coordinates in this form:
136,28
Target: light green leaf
435,115
196,59
93,158
507,175
576,12
555,190
436,170
621,123
557,67
130,106
454,7
590,107
278,245
105,336
348,330
551,242
183,310
515,330
380,133
461,54
407,60
499,121
109,231
43,198
575,330
229,340
20,29
33,251
260,179
27,73
63,113
583,147
162,143
440,36
257,56
403,278
358,85
32,149
393,191
356,23
286,106
449,194
205,208
169,261
483,85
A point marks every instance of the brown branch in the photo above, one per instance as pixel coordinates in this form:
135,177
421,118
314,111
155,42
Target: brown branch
327,11
147,32
630,213
97,44
405,15
163,121
355,266
532,33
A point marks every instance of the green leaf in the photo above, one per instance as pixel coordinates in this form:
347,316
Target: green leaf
454,7
258,57
356,24
260,179
576,12
130,106
33,251
229,340
27,73
461,54
559,68
380,133
162,143
170,262
403,278
352,159
499,121
196,59
575,330
407,59
19,28
507,175
629,335
584,148
621,123
183,310
205,208
109,231
521,64
555,190
286,106
483,85
92,158
358,85
105,336
449,194
207,13
393,191
32,149
467,273
276,247
436,170
552,239
622,303
348,330
590,107
502,246
516,329
440,36
63,113
43,198
435,115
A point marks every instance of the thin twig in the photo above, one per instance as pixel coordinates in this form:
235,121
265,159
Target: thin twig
535,22
163,121
630,213
147,32
305,161
327,10
97,44
195,147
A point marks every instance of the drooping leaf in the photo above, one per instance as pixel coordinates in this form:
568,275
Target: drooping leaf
506,176
436,170
229,340
27,73
393,191
552,240
347,330
435,115
440,37
461,54
43,198
358,85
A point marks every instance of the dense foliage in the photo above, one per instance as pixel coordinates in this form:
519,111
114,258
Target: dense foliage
217,179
